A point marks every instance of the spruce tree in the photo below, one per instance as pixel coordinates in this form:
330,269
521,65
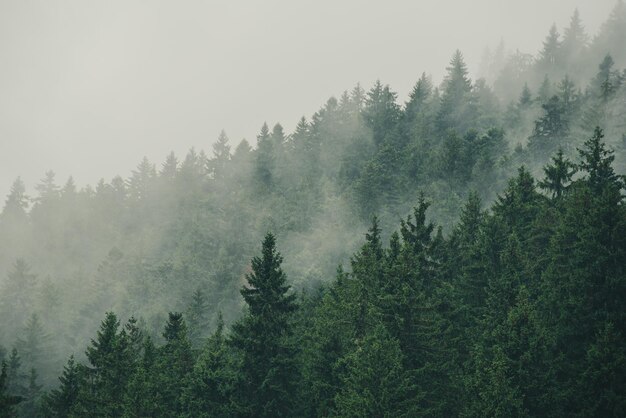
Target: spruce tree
173,365
107,374
558,175
8,402
210,386
374,383
263,338
59,402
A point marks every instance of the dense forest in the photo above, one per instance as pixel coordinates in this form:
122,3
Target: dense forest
459,254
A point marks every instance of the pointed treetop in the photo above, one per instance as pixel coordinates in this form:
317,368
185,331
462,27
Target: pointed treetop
596,161
558,175
17,200
175,329
575,38
421,91
264,134
526,96
278,134
266,292
47,187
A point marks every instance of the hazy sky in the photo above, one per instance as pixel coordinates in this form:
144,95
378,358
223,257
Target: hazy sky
89,87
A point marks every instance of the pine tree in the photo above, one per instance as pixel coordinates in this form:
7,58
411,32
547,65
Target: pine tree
197,318
211,384
142,397
221,157
107,375
551,129
174,364
16,203
47,188
558,175
16,380
262,337
381,112
33,345
169,168
16,297
7,401
584,286
59,402
596,161
574,45
374,383
550,57
32,396
265,159
141,181
458,108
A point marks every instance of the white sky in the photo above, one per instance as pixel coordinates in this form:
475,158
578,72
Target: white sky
89,87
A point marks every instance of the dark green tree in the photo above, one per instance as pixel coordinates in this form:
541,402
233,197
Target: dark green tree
8,402
374,383
558,175
262,338
59,402
210,386
173,365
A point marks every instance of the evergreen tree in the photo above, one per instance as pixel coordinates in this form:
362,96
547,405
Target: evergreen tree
574,44
16,203
174,363
169,167
265,159
221,157
550,57
584,284
106,377
7,401
558,175
142,397
458,108
262,338
140,183
59,402
551,129
16,297
197,318
211,384
381,112
374,383
32,396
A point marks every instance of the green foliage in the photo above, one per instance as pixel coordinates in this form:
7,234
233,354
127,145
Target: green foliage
263,338
517,309
60,401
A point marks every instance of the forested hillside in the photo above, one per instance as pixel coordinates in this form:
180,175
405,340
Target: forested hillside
491,280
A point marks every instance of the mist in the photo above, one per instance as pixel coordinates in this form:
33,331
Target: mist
279,209
89,89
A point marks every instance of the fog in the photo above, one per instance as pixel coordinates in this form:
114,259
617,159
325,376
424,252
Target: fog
484,141
89,88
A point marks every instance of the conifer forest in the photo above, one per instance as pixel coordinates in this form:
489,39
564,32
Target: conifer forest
458,254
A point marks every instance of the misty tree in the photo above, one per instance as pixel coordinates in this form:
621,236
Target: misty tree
458,108
17,296
16,203
7,401
575,43
197,318
551,56
60,401
381,112
221,156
